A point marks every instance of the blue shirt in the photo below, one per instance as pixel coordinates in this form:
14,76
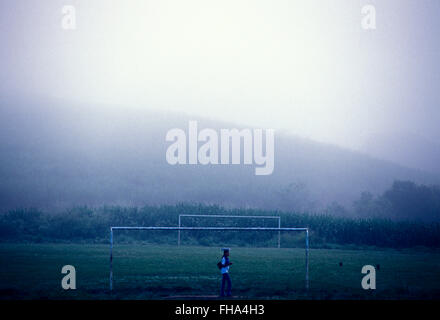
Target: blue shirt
225,261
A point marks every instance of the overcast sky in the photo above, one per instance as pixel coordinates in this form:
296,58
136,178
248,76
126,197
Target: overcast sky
304,66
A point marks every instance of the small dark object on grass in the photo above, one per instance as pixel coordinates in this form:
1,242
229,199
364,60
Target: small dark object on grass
340,264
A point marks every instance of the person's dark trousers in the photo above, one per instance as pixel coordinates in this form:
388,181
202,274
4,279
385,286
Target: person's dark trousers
226,278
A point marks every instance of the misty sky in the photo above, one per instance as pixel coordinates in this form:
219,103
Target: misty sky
304,66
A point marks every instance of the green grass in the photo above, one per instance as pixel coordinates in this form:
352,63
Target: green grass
33,271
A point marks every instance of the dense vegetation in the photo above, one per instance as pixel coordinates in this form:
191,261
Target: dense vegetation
92,224
404,200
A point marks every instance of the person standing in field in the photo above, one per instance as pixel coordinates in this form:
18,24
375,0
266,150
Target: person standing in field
224,269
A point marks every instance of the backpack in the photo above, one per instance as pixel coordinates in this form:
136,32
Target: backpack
219,264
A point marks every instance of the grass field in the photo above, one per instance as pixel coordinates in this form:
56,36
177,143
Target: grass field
33,271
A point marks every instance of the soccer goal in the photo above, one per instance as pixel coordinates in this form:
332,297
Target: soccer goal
306,230
224,216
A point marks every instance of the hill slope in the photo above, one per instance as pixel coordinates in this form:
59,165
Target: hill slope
59,154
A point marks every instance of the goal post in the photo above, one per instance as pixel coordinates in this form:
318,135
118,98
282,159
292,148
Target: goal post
306,230
228,216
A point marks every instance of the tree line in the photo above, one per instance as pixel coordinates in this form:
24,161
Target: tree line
405,200
92,224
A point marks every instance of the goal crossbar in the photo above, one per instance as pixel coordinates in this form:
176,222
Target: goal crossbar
306,230
228,216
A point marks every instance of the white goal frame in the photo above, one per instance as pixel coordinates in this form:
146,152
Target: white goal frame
306,230
228,216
